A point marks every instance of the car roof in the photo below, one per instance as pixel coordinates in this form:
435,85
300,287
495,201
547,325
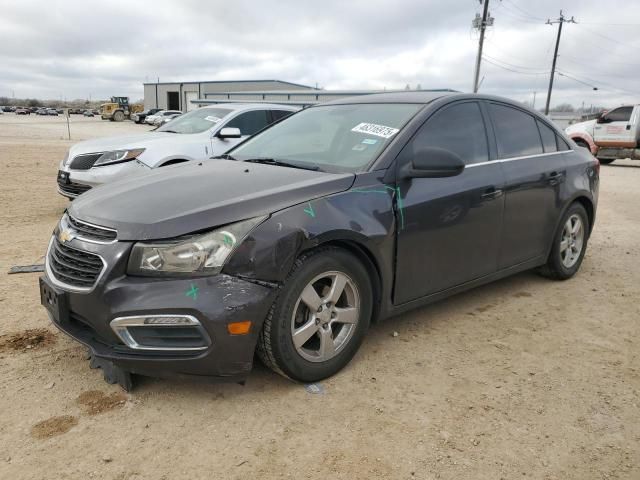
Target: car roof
249,106
423,97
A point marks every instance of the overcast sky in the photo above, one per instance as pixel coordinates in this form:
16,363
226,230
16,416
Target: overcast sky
76,49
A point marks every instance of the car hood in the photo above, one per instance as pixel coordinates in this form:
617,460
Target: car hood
142,140
187,198
581,127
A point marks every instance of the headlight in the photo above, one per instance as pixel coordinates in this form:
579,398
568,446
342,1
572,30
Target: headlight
118,156
200,254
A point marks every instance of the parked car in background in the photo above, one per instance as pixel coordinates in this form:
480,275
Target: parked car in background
52,111
614,134
154,118
23,111
6,109
166,119
42,111
88,113
141,116
297,240
197,135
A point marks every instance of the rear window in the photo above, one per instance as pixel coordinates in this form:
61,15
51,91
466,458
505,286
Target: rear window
516,132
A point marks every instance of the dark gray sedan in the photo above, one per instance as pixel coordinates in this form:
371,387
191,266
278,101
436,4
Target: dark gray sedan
292,244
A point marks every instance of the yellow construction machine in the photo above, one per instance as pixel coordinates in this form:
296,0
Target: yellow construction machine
118,109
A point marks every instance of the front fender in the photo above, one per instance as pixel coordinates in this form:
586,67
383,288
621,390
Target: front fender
363,215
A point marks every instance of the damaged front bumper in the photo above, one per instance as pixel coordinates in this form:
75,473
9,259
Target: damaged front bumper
111,320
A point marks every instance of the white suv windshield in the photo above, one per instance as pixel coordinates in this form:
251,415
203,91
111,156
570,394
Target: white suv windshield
331,137
195,121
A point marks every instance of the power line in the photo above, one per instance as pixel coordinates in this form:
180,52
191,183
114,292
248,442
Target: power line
560,21
512,69
513,4
593,32
513,65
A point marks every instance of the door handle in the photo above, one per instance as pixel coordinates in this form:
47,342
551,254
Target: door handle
628,127
555,177
491,193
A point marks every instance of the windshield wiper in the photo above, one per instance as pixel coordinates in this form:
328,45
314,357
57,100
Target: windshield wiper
169,131
281,163
224,156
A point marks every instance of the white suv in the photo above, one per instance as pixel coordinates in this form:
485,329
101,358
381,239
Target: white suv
196,135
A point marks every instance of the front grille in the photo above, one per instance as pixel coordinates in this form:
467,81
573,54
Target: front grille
91,232
74,267
84,161
73,189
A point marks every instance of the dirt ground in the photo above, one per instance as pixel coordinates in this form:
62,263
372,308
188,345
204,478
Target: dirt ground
524,378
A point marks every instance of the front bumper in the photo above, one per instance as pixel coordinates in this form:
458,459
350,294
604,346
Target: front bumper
218,301
83,180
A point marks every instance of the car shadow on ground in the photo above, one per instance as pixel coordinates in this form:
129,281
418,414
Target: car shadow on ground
381,335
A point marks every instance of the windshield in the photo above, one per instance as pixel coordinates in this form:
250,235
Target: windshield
343,138
196,121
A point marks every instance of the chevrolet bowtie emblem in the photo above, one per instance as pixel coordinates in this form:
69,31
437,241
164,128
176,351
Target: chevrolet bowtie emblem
66,235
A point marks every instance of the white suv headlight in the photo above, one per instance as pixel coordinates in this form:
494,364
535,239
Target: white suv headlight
203,254
117,156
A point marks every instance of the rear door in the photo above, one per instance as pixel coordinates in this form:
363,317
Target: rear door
449,228
616,128
535,172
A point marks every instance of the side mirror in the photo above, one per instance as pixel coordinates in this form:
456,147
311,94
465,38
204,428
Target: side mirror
229,132
602,119
433,162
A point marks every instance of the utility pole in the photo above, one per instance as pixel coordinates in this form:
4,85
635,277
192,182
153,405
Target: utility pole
559,21
481,23
533,105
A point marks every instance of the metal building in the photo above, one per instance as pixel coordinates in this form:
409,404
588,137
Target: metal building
179,95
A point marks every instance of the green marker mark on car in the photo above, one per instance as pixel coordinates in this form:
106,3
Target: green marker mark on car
192,292
227,240
310,211
387,189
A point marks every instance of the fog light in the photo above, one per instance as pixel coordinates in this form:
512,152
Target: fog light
239,328
161,332
168,321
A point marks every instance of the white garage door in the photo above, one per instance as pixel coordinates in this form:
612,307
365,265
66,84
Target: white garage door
188,96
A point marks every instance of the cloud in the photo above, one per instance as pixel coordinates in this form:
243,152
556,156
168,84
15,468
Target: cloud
82,48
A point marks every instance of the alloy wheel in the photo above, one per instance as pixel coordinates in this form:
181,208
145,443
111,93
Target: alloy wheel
325,316
572,240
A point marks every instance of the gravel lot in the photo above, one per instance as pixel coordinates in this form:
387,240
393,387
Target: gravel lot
524,378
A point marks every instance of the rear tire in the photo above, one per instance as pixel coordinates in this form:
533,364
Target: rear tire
606,161
320,317
569,244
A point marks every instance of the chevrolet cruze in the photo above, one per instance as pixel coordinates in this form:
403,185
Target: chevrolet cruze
293,243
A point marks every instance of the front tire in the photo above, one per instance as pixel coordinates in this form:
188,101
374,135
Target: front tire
606,161
118,116
569,244
319,318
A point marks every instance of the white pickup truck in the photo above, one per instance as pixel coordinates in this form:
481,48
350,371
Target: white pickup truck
615,134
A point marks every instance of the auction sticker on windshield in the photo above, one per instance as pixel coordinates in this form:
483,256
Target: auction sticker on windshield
213,119
377,130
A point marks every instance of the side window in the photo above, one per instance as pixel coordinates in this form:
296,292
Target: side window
548,138
459,129
278,114
250,122
621,114
516,132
